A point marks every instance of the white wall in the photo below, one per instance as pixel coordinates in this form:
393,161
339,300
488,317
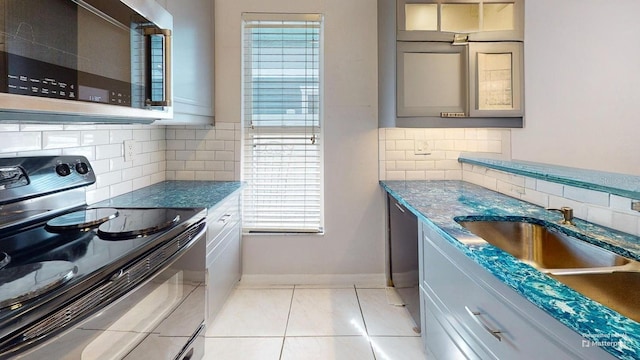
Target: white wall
354,221
582,85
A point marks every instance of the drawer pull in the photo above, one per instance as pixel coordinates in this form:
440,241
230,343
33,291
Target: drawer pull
225,218
399,207
476,317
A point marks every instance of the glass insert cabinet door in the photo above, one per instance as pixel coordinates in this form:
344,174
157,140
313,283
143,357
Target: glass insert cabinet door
495,79
437,20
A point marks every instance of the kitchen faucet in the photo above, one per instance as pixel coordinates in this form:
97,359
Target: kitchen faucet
567,214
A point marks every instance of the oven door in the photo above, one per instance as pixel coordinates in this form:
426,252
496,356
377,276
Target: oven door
161,319
103,59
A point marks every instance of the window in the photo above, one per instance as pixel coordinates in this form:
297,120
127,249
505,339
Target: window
282,155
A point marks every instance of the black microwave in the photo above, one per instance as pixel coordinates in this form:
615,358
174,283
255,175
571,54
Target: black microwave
85,60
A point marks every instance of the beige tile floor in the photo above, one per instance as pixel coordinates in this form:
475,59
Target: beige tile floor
304,323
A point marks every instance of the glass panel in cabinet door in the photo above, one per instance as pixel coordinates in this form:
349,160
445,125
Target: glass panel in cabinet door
421,17
460,17
497,17
495,83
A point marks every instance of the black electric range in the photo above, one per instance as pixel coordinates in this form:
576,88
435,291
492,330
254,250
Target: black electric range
54,249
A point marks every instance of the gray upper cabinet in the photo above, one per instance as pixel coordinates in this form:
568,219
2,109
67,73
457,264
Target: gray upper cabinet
450,63
193,61
480,20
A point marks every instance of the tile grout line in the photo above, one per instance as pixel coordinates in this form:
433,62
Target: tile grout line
284,337
364,322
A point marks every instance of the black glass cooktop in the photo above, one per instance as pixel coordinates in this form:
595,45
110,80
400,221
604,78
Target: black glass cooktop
93,242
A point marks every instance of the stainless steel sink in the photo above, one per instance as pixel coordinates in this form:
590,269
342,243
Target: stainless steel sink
613,290
546,249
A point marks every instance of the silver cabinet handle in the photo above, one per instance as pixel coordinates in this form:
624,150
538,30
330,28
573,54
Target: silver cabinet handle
476,317
399,207
225,218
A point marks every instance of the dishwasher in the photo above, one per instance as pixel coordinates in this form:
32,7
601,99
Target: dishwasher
403,256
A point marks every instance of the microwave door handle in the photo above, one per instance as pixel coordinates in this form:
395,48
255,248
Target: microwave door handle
167,65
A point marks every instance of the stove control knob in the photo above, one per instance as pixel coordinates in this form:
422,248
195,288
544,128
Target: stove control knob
63,169
82,168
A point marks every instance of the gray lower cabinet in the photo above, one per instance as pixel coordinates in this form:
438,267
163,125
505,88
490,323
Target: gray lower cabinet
224,253
467,313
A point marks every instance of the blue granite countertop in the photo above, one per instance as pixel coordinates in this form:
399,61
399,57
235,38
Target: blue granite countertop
199,194
614,183
437,203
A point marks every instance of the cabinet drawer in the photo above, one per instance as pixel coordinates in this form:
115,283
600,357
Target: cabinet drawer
442,335
221,219
485,315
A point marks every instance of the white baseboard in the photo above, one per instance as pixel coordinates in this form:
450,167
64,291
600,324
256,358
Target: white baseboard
328,280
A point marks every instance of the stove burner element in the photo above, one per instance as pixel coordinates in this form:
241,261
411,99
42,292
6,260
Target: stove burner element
24,282
139,223
81,220
4,259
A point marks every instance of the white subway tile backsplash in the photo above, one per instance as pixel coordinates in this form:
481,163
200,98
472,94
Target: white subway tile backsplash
405,165
621,204
9,127
94,137
120,135
214,145
395,134
194,145
175,165
141,159
110,178
205,155
224,156
625,222
586,196
600,216
455,134
397,150
597,207
41,127
453,174
405,145
20,141
185,134
415,175
396,175
185,175
550,188
225,134
185,155
224,176
135,172
87,151
176,145
96,195
214,166
109,151
425,165
396,155
435,174
50,152
194,165
120,188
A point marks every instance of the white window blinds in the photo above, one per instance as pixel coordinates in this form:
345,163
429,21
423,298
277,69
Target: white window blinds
282,155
